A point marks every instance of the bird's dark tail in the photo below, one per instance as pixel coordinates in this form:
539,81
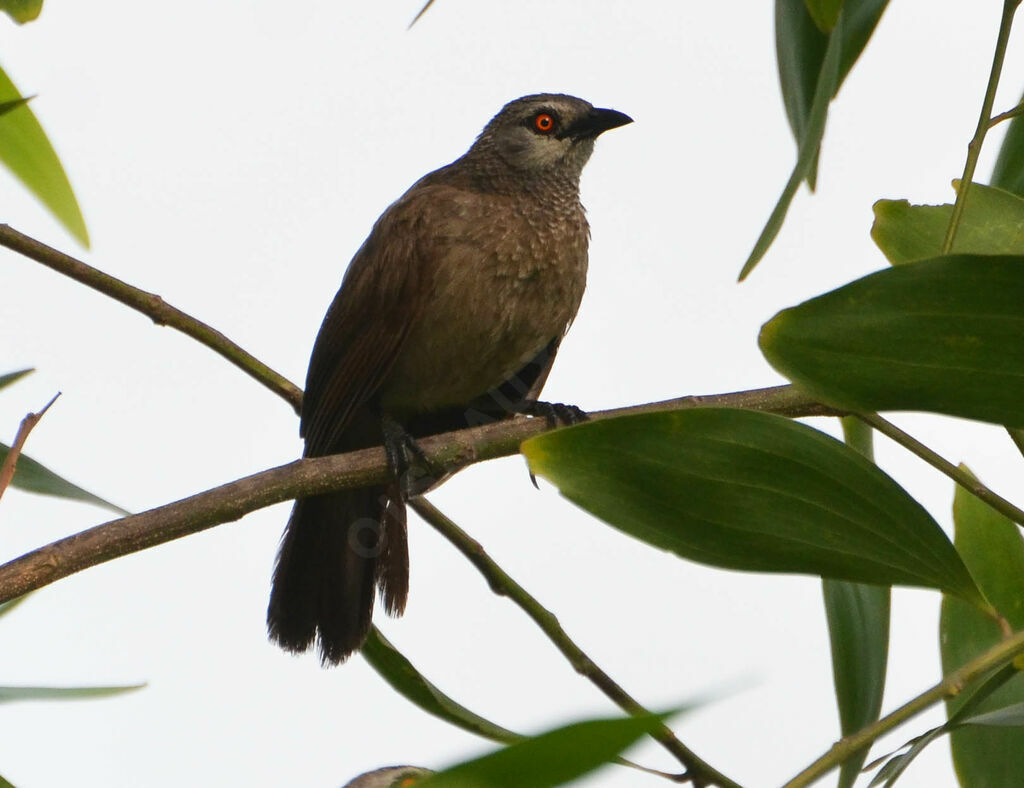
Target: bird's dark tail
336,550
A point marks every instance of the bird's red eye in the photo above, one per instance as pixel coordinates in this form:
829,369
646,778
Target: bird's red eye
544,123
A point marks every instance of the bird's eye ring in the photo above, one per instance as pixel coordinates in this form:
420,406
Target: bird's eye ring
544,123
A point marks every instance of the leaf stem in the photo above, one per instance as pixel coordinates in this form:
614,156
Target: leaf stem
950,686
984,123
699,772
959,475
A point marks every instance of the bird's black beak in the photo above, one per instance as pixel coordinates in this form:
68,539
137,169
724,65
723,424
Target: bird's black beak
597,121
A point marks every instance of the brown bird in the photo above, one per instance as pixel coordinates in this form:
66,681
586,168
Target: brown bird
449,315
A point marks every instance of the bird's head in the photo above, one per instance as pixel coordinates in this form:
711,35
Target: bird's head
547,132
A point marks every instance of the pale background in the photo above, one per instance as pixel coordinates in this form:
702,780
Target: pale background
231,157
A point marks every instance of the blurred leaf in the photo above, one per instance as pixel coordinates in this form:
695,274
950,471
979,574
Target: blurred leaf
746,490
397,671
12,377
28,154
21,11
1008,172
992,223
993,549
858,628
825,13
11,694
33,477
7,607
4,783
940,335
550,759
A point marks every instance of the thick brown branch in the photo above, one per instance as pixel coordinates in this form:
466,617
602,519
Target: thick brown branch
301,478
153,306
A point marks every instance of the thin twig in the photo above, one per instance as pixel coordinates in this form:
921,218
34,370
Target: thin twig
699,772
421,13
960,476
952,685
152,305
984,120
229,502
11,460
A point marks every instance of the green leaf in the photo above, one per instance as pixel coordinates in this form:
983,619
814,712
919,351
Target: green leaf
1008,172
7,607
550,759
11,694
26,151
1011,716
21,11
746,490
12,377
809,140
941,335
992,223
31,476
858,628
802,29
397,671
993,549
7,106
825,13
4,783
812,67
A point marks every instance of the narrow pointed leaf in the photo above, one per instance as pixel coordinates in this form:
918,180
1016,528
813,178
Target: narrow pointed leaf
21,11
12,377
550,759
4,783
858,628
993,549
940,335
898,764
802,30
31,476
397,671
11,694
26,151
992,223
1011,716
809,142
1008,172
746,490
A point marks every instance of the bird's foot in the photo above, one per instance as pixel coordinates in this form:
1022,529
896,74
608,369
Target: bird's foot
554,413
413,471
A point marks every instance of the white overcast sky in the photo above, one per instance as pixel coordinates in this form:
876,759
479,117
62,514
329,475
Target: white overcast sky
231,156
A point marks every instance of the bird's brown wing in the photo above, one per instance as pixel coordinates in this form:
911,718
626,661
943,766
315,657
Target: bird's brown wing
384,291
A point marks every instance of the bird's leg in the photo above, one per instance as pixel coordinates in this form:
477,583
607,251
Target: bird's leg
413,472
555,413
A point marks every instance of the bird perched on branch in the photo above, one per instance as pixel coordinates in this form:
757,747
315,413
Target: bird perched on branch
449,315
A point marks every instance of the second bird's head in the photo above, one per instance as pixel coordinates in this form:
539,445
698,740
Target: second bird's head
547,132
